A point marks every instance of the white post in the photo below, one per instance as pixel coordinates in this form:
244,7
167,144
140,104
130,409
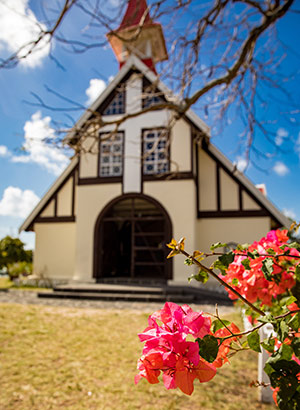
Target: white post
265,393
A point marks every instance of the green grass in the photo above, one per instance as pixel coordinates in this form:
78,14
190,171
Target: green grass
63,358
6,283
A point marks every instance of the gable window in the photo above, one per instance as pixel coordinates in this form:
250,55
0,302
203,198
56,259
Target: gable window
111,154
155,151
151,96
117,105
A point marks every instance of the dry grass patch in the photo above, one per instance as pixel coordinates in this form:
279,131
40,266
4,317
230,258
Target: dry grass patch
52,358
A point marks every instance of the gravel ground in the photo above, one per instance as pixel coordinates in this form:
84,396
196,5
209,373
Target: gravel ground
30,297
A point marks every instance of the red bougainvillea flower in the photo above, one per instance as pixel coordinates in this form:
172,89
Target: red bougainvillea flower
251,281
224,346
149,367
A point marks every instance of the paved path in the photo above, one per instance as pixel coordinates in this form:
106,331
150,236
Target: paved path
30,297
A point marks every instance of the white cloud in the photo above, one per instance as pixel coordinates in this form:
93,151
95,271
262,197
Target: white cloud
17,203
4,152
19,27
280,135
281,169
95,89
241,164
110,78
289,213
37,130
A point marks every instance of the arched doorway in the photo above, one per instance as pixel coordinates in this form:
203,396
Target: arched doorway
130,240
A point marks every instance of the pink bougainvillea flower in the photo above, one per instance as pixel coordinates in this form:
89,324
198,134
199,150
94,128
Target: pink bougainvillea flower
180,319
166,349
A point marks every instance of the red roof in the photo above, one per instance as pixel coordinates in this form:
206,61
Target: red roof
137,11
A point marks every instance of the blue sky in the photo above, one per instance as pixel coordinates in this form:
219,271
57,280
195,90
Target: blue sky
26,176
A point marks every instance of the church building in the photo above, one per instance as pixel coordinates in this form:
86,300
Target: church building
133,187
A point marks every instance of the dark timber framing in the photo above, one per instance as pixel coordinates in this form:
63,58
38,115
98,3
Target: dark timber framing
99,239
240,212
58,218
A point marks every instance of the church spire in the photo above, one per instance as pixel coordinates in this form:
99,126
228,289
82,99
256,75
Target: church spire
139,35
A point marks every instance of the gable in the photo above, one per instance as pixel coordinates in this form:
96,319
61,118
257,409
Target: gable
58,204
222,191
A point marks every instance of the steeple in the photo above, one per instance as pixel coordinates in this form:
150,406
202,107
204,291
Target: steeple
139,35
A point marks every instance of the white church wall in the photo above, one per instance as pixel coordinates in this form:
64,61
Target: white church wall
54,255
181,149
64,199
91,199
49,210
229,192
207,183
89,158
178,197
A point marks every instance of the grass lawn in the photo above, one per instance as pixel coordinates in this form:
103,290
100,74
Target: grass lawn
63,358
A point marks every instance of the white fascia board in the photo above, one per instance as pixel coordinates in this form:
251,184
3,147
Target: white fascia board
251,187
48,195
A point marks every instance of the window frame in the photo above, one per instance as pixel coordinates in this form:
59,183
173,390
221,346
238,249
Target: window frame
111,178
156,175
121,89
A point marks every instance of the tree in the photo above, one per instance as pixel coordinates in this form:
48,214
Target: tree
225,60
12,251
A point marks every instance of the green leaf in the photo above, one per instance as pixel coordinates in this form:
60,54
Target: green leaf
284,376
295,245
271,251
285,351
218,265
296,346
202,276
226,259
218,245
246,264
266,319
283,330
269,345
188,262
253,254
235,281
297,273
218,324
208,348
268,369
287,300
254,341
294,322
267,268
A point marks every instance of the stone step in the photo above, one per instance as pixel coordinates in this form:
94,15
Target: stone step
103,288
118,296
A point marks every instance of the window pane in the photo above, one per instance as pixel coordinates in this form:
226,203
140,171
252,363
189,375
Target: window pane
155,147
111,161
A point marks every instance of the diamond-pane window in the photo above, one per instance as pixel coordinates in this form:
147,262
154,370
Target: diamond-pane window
155,152
117,105
111,155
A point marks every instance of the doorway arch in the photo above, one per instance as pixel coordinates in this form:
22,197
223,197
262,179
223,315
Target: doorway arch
130,239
